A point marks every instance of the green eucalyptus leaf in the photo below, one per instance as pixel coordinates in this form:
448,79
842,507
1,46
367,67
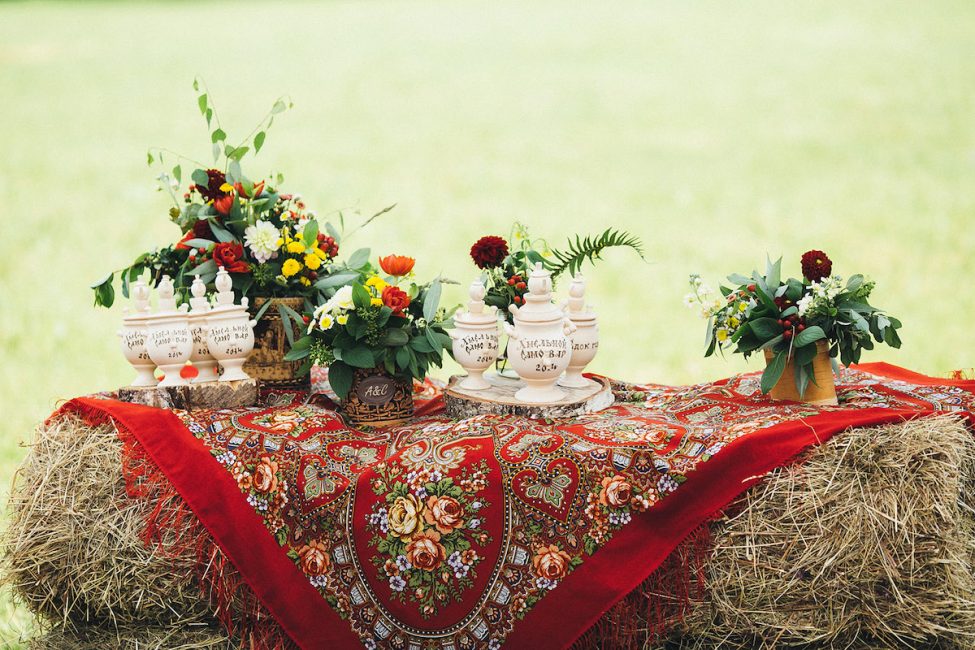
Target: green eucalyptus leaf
201,101
809,335
218,136
431,301
340,377
765,328
773,371
360,357
200,177
259,141
310,235
359,258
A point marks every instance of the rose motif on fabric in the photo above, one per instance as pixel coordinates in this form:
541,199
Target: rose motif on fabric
314,558
444,513
265,475
616,491
405,515
426,552
551,563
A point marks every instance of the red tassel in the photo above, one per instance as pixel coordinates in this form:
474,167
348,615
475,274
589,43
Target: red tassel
649,613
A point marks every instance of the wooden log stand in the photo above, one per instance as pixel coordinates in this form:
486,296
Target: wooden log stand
500,400
212,395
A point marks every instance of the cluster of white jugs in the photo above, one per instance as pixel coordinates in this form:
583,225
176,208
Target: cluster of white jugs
545,341
208,336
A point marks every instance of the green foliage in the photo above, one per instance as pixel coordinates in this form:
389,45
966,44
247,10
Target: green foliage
762,312
590,248
406,345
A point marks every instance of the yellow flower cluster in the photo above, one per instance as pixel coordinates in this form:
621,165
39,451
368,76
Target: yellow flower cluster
376,284
310,257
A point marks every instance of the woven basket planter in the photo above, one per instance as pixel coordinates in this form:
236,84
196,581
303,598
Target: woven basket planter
377,399
267,362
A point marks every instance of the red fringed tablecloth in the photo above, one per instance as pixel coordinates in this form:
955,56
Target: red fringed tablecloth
471,533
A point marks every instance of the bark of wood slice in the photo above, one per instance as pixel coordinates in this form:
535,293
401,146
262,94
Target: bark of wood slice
500,400
212,395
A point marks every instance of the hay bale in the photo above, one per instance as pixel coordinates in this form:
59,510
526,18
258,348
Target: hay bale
73,552
141,637
870,542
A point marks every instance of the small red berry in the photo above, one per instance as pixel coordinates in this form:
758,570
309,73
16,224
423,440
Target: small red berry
801,327
520,285
202,250
787,333
751,288
517,300
511,282
306,319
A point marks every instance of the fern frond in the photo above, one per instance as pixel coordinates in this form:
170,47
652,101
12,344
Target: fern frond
590,248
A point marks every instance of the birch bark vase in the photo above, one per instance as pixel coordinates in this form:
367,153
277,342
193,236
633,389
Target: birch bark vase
822,387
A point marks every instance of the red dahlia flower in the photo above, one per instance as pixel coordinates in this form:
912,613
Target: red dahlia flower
396,265
396,299
489,252
230,255
211,191
816,266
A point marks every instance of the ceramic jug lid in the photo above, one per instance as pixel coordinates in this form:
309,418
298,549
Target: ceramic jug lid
538,306
477,312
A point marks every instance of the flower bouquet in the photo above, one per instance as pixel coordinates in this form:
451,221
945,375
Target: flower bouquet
802,326
377,335
506,269
275,249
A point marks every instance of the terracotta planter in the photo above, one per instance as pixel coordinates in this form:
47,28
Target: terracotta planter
378,399
821,389
271,344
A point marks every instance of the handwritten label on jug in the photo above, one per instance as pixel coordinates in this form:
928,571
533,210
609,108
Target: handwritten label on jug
483,345
376,390
172,339
231,337
546,352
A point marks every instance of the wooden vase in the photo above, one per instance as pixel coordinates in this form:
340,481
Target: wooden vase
267,362
821,389
378,399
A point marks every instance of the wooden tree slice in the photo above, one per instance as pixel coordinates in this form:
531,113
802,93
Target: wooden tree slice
211,395
500,400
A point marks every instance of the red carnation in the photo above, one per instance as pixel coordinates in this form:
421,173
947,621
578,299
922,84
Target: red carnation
489,252
396,299
816,266
229,255
211,191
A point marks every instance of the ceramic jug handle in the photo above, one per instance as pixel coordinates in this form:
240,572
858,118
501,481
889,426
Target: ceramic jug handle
568,326
510,331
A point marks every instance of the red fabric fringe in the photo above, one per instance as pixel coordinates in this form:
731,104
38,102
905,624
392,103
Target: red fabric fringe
649,613
176,533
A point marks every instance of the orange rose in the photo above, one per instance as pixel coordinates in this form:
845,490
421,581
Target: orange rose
551,562
425,551
265,475
314,558
616,491
445,513
396,265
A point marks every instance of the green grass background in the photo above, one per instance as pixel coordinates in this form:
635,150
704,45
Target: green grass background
715,131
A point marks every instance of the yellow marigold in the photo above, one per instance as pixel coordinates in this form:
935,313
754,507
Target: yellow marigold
296,247
377,284
305,281
322,254
313,262
290,267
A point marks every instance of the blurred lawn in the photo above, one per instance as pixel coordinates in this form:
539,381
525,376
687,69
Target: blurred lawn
715,133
